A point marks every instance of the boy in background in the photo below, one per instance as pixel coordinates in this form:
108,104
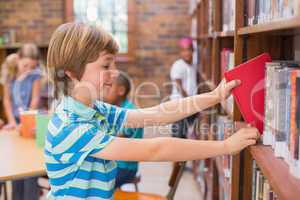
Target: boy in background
184,83
118,95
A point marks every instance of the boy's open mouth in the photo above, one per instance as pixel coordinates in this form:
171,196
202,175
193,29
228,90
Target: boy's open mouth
107,84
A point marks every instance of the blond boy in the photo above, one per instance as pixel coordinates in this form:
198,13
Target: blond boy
80,147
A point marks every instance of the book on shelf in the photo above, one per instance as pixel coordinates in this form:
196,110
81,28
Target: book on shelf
225,128
193,6
227,63
261,189
261,11
227,60
282,112
210,16
250,94
228,15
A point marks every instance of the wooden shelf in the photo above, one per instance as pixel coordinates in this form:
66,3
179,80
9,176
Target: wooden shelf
289,23
224,34
280,36
225,181
209,183
277,172
205,36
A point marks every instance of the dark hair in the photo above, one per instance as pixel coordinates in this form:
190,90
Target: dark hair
123,80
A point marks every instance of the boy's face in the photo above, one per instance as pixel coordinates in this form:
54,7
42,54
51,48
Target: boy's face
115,93
98,76
186,53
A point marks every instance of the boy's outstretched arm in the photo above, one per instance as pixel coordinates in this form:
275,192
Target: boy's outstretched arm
176,110
173,149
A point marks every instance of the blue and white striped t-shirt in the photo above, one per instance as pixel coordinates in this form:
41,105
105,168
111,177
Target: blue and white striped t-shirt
75,133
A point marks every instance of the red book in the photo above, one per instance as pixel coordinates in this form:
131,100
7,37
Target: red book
250,94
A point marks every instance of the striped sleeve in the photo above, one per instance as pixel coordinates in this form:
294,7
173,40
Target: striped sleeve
115,116
77,141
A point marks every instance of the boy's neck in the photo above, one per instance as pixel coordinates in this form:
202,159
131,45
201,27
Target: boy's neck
188,61
84,100
120,101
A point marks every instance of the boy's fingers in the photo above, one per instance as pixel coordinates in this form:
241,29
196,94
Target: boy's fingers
255,132
232,84
251,133
251,142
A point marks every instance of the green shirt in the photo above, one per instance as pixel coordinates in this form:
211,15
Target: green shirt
130,133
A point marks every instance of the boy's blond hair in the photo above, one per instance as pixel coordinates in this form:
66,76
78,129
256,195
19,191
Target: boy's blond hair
72,47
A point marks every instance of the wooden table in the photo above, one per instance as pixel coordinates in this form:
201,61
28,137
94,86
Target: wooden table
19,157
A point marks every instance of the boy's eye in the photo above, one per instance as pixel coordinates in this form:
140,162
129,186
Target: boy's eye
106,66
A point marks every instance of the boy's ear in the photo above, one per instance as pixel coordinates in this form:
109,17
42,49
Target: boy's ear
71,76
121,91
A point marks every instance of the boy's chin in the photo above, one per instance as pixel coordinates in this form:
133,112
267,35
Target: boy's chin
101,96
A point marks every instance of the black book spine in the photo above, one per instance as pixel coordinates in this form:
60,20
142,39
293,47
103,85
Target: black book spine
256,13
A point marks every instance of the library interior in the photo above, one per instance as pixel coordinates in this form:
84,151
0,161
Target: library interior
150,100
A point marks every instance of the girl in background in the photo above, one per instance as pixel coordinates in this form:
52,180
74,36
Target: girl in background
22,92
22,87
9,67
8,71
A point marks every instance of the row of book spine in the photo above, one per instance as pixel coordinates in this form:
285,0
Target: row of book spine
228,15
282,112
261,189
224,129
192,6
227,63
262,11
210,16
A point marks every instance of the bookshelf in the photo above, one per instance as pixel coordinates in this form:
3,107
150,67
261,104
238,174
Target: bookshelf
290,185
275,37
279,25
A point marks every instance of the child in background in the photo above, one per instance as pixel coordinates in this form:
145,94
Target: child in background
81,148
126,171
8,71
184,84
9,68
21,91
22,88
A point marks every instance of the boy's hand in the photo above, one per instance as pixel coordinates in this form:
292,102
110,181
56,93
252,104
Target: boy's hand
241,139
223,90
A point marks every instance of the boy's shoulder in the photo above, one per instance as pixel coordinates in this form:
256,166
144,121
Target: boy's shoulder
128,104
179,63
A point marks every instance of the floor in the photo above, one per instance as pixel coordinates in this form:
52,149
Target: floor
155,176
